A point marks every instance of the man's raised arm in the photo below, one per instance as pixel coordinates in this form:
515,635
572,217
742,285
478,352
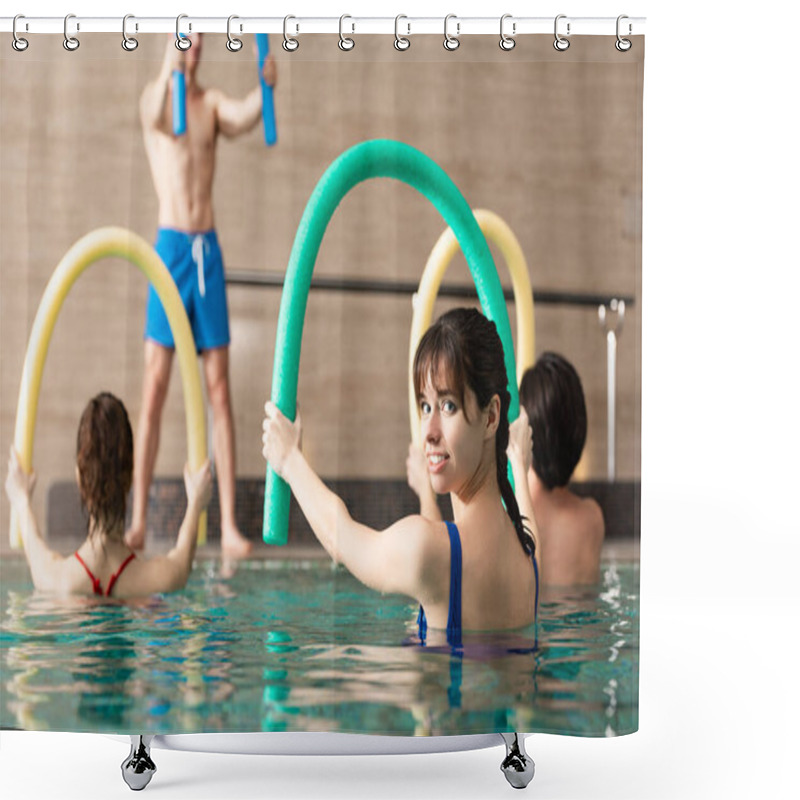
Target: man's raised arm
153,103
236,117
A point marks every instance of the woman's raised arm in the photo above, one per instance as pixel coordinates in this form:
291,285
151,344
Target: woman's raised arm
44,563
392,560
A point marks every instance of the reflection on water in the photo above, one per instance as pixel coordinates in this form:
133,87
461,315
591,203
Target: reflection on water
302,646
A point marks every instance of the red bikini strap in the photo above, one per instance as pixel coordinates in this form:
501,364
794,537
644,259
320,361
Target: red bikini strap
98,589
118,573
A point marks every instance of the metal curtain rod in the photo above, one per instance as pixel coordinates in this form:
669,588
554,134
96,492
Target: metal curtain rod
275,280
408,26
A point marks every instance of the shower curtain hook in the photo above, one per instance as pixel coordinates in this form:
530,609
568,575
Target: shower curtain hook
346,43
507,42
623,45
129,43
233,44
401,42
451,42
290,44
18,43
181,41
560,43
71,43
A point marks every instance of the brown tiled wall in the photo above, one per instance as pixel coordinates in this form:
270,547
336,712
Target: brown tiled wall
551,142
376,503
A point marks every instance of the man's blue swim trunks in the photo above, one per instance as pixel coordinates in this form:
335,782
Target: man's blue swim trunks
195,262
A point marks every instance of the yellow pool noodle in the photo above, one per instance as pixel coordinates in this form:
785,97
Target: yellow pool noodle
497,231
108,242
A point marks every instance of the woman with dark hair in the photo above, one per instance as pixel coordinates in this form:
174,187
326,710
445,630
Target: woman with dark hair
478,573
545,444
104,564
571,527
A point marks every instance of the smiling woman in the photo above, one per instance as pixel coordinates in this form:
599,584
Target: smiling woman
460,378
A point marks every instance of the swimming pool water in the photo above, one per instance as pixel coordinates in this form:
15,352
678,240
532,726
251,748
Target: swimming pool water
302,646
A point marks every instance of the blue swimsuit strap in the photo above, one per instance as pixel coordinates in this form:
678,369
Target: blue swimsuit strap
454,612
454,607
422,625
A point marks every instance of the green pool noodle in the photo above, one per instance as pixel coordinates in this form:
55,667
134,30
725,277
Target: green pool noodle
379,158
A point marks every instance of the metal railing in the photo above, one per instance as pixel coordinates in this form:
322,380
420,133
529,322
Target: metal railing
610,311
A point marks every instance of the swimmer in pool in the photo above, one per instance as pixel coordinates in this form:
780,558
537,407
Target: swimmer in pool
571,528
477,573
545,445
104,565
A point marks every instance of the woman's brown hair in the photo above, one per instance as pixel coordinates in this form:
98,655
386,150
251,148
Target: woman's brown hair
104,455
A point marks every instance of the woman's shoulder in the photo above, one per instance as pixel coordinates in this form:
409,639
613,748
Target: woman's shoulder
65,577
416,524
427,537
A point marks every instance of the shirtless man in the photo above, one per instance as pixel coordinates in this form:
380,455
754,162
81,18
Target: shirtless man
545,444
183,172
571,528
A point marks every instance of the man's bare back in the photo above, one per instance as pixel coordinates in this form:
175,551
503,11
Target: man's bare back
571,530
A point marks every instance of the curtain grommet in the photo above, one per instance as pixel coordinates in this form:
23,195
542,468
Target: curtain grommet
129,43
560,43
233,44
17,42
507,42
623,45
401,43
451,43
290,43
71,43
182,42
345,42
